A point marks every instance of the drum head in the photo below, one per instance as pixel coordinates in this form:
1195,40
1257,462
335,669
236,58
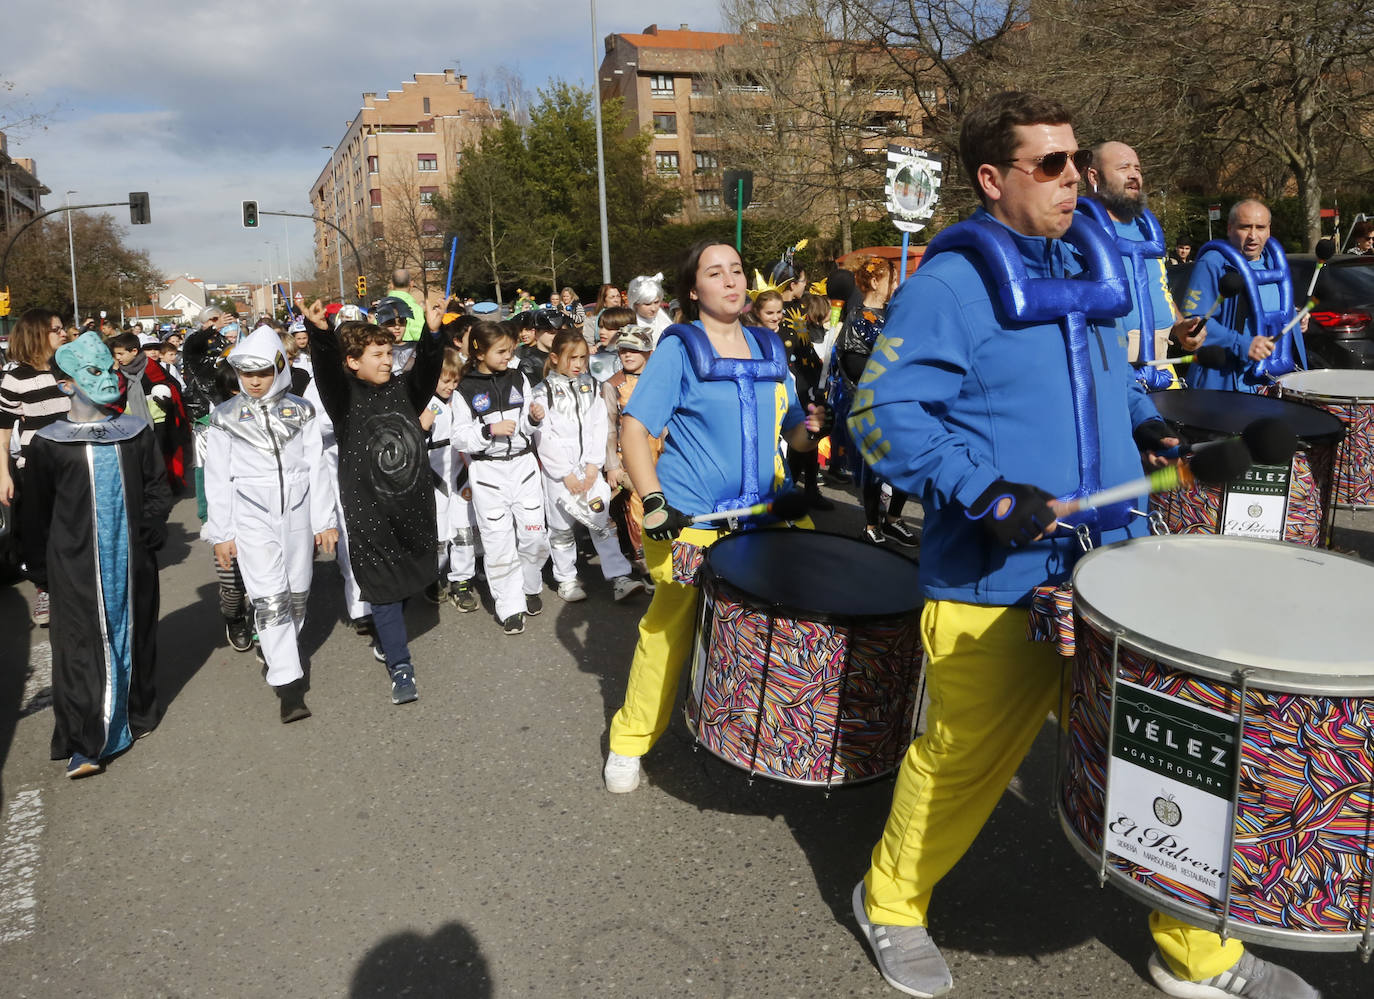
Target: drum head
818,574
1297,619
1228,413
1331,384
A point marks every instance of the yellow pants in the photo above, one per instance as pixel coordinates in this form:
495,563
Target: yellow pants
990,691
665,641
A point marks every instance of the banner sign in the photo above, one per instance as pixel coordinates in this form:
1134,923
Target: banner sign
913,187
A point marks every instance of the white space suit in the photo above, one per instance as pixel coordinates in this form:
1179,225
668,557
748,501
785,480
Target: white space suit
572,436
265,490
454,514
506,491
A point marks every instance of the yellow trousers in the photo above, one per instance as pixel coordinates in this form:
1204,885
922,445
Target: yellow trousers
990,691
665,641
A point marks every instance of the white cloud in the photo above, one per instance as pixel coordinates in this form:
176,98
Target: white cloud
206,105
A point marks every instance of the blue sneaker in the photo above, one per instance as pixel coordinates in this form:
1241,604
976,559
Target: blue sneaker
83,766
403,684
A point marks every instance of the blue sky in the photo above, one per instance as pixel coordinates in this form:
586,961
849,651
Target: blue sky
209,105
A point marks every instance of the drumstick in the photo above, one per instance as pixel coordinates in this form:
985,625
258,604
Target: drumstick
1209,357
1216,464
1302,313
789,506
1326,249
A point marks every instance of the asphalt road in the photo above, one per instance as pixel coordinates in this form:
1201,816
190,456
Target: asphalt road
463,846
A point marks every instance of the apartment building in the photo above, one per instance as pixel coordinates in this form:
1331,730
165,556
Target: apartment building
399,151
21,191
668,79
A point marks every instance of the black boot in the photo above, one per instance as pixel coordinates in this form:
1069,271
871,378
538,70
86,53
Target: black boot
292,697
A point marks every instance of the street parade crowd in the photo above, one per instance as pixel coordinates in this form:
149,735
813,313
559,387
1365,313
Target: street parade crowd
442,451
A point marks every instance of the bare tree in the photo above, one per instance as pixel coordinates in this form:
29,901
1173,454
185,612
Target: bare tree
410,234
810,106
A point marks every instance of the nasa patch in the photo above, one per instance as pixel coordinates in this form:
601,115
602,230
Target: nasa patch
481,402
245,414
584,387
515,397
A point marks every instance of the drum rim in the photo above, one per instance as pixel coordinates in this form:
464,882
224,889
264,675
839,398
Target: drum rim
1209,666
710,575
1287,388
1333,436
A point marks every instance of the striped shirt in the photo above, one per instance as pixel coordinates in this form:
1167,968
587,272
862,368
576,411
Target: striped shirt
31,400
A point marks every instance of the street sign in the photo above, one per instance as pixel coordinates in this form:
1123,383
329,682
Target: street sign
139,212
913,187
1214,213
731,189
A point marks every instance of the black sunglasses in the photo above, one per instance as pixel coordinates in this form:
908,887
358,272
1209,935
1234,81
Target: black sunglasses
1053,164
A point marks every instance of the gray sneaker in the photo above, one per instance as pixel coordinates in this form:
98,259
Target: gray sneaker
1251,977
907,957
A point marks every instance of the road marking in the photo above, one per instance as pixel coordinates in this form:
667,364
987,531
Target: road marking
19,866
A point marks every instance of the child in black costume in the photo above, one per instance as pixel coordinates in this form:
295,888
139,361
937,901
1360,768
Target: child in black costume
383,470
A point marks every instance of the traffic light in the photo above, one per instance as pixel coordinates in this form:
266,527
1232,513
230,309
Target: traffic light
362,286
139,213
5,302
250,214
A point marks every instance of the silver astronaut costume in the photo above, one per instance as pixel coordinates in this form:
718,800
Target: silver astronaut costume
572,436
262,459
456,519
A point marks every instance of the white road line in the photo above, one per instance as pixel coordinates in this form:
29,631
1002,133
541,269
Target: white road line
19,856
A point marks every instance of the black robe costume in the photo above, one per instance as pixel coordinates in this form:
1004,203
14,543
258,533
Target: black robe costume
98,563
384,481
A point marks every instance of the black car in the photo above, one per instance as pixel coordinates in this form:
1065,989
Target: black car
1341,331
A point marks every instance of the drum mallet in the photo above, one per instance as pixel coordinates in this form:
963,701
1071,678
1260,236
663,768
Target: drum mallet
1214,465
1230,285
789,506
1325,250
1269,440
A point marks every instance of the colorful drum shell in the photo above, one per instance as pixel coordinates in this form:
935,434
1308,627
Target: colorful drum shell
808,657
1348,395
1303,820
1205,414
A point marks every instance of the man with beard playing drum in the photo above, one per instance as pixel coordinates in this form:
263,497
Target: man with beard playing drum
989,395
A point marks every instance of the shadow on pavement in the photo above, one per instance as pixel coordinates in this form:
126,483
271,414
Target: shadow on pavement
15,639
446,965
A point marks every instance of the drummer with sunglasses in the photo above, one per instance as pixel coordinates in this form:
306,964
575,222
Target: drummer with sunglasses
975,411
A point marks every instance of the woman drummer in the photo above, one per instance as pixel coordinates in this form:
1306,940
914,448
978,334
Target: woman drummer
717,455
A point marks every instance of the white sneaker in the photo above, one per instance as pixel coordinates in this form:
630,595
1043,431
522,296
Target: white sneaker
572,591
621,773
624,586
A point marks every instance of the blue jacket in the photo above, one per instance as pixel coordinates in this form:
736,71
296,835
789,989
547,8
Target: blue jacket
958,394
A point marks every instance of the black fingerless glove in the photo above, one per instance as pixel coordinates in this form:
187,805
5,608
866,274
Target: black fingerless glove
1026,518
661,521
1149,436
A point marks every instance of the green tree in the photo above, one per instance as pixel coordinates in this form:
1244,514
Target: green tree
108,271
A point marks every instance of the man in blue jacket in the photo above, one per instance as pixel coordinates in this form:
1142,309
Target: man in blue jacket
982,402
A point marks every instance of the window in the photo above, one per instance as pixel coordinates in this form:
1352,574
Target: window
665,123
707,163
457,157
434,264
427,195
708,200
703,124
661,85
427,162
698,85
666,162
372,164
426,103
429,227
376,195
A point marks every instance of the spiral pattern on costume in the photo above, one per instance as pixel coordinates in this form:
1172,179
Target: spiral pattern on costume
395,453
1305,805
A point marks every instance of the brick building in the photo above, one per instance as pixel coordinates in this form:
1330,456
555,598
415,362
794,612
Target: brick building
394,156
21,191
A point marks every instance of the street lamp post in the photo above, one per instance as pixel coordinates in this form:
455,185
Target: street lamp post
600,154
71,249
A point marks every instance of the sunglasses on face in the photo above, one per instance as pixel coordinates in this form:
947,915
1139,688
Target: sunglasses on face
1051,165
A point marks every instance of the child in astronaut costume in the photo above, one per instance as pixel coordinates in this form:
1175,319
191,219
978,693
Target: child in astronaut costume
268,503
494,421
454,515
572,449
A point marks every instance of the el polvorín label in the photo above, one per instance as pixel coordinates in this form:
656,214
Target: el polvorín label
1255,505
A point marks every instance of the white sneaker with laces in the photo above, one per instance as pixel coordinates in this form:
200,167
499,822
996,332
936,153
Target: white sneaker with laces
572,591
624,586
906,956
621,773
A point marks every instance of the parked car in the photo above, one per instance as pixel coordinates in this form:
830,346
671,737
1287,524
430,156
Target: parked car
1341,331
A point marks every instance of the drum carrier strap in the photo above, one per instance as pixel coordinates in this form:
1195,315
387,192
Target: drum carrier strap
744,372
1099,293
1273,270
